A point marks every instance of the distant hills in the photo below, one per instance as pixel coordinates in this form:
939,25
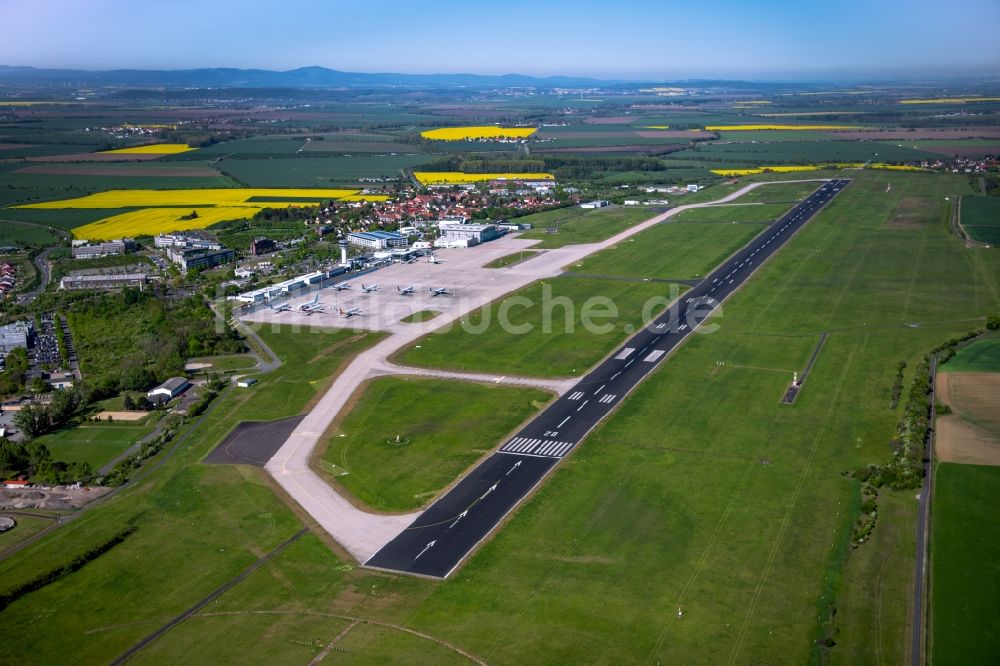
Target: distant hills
303,77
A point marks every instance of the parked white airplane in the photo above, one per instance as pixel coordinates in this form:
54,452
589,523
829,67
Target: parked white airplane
370,288
341,286
312,306
350,313
406,290
440,291
280,308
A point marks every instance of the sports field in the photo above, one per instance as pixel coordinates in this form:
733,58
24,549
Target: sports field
965,565
94,444
443,427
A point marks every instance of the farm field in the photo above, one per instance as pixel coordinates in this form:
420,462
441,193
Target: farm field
674,250
319,171
965,574
158,211
981,218
444,426
554,344
477,132
576,225
93,444
152,221
980,356
459,178
800,152
153,149
199,197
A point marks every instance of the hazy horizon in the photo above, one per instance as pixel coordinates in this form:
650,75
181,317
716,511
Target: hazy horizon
633,41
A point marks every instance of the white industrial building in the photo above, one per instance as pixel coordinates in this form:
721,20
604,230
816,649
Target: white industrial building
169,389
193,240
599,203
15,335
456,235
295,284
108,249
376,240
103,282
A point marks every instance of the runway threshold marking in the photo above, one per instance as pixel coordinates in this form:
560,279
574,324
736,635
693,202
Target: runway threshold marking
625,353
654,355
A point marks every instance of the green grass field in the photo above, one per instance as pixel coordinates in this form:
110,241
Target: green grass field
965,565
420,316
672,250
981,218
226,363
540,338
980,356
779,193
94,444
576,225
64,218
27,527
25,235
510,259
725,213
444,427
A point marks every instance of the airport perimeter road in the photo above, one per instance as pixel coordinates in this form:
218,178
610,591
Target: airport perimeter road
441,538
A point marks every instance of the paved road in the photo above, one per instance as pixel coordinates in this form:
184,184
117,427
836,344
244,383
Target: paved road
918,644
437,542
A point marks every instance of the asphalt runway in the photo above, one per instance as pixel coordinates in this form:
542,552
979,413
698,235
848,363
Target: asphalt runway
252,442
437,542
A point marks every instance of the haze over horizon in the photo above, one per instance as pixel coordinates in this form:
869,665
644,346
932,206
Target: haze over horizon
640,40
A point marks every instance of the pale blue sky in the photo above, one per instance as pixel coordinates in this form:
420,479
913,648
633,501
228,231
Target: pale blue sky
641,39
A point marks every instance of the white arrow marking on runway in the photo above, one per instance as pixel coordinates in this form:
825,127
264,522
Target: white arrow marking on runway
516,465
460,516
426,548
491,489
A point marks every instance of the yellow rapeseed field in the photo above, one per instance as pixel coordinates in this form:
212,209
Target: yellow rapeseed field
194,198
659,127
750,128
477,132
153,149
162,210
459,178
154,221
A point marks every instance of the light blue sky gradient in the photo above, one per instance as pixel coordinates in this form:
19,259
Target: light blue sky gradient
642,39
